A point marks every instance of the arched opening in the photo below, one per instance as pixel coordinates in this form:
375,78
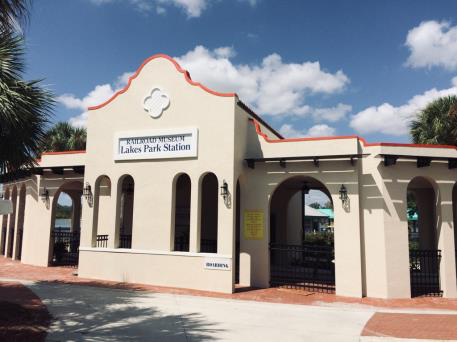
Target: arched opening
237,232
209,213
102,214
454,208
424,255
126,193
20,223
66,224
182,213
12,223
63,213
301,236
5,225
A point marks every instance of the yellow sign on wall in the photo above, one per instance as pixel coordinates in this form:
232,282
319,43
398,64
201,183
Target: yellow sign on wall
253,225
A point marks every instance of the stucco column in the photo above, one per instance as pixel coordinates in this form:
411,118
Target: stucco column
225,221
114,206
254,254
195,209
348,258
446,243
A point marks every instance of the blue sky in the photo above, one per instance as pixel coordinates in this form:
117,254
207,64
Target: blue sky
308,67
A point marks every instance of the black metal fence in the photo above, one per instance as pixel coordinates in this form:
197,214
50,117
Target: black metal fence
425,272
206,245
65,248
125,241
101,241
308,267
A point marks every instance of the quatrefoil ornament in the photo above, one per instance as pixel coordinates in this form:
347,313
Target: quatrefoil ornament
156,102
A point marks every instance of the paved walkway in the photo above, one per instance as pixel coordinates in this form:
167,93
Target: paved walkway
23,317
87,310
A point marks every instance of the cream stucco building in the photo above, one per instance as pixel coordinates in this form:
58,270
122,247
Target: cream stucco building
186,187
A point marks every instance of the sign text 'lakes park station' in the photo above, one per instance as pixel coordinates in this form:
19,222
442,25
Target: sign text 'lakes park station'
156,144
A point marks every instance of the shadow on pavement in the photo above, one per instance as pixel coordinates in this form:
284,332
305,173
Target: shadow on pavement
22,315
106,314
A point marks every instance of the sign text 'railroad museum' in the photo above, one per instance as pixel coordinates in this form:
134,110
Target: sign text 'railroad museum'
179,143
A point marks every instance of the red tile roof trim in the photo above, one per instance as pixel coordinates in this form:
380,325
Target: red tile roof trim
178,67
365,143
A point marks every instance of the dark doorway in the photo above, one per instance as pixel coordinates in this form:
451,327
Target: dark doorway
301,252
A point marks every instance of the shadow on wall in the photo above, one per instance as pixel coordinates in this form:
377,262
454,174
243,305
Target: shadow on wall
104,314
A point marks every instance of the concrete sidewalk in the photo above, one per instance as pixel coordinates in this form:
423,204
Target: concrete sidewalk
84,313
94,310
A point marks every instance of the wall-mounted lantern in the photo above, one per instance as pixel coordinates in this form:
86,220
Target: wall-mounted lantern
224,189
343,193
44,194
87,191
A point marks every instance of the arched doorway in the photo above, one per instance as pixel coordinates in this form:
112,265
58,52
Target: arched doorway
20,223
12,223
66,224
301,236
126,194
209,214
102,219
182,198
424,255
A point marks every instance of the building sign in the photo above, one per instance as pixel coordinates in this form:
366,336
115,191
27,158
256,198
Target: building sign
158,144
253,225
224,264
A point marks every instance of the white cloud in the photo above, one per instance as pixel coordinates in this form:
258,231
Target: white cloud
332,114
433,43
98,95
392,120
288,131
320,131
271,87
193,8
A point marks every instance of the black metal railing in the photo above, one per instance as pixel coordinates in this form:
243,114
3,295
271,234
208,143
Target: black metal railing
181,243
65,248
425,272
208,246
309,267
3,240
101,241
125,241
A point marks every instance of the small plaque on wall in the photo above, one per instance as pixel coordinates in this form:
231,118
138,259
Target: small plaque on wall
254,225
224,264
